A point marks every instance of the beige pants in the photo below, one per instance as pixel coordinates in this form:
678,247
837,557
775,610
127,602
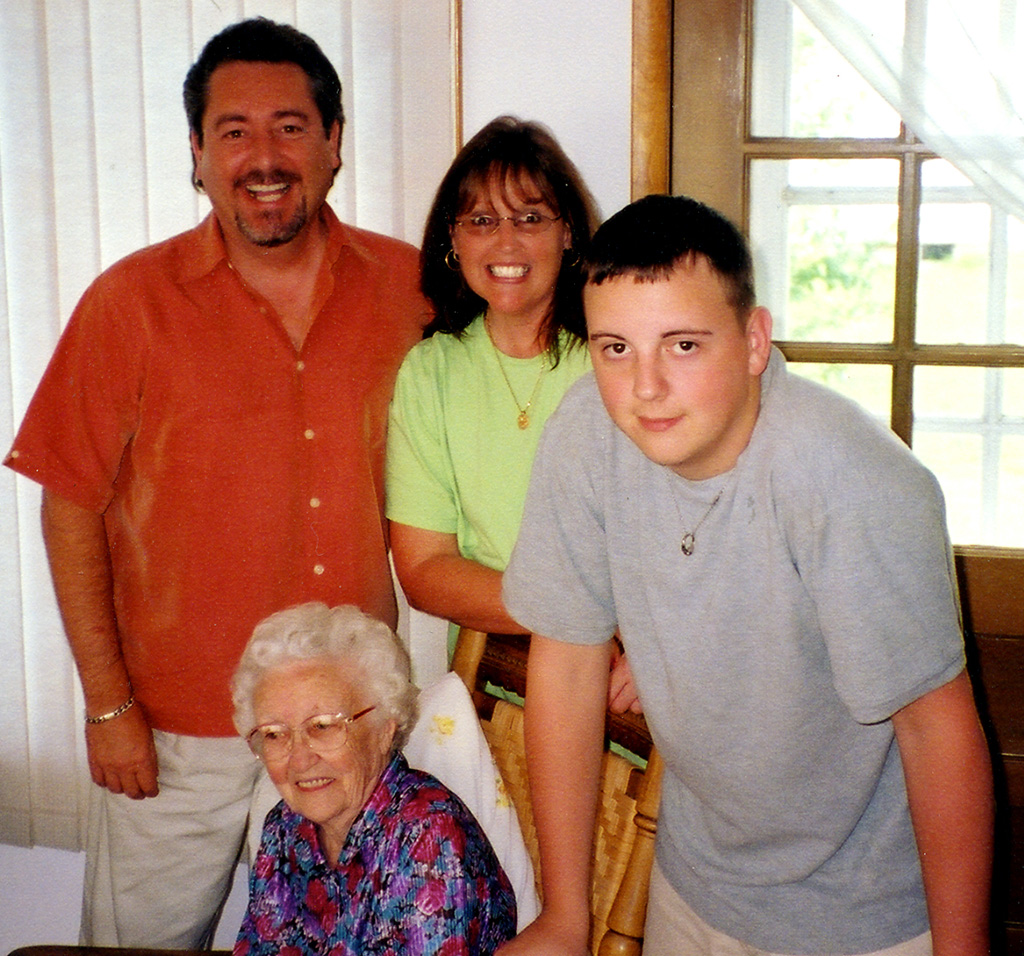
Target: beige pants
673,929
157,870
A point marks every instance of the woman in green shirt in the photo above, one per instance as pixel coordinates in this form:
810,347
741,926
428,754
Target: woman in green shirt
500,264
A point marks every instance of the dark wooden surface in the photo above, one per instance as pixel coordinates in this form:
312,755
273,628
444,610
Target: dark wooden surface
992,595
111,951
504,664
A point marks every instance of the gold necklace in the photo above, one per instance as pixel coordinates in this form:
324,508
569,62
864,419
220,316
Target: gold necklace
523,420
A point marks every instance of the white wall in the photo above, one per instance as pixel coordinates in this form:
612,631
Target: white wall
566,64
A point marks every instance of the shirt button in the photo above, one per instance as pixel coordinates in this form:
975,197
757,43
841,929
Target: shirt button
15,453
300,365
314,502
318,569
309,433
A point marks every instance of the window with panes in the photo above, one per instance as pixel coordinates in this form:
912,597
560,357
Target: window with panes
890,277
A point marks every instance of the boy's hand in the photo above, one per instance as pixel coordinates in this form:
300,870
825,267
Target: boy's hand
544,937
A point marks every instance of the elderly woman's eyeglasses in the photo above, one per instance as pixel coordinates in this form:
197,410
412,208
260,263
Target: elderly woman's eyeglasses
324,733
531,223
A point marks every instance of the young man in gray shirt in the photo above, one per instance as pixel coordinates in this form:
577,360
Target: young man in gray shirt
778,568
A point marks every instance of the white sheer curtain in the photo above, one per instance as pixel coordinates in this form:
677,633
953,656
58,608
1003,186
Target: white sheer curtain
94,163
954,71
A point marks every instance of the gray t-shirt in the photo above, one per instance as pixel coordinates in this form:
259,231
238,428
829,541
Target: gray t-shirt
819,599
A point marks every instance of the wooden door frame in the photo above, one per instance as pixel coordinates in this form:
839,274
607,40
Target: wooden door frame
651,113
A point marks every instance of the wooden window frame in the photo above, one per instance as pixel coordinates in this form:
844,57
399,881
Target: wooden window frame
709,107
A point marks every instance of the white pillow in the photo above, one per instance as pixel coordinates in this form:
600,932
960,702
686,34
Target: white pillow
448,742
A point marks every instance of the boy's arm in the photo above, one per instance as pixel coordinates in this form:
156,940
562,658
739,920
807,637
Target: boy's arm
567,686
948,771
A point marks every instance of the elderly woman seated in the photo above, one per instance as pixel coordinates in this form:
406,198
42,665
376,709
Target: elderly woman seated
364,854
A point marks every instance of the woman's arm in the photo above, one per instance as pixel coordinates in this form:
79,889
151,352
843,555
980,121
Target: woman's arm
438,580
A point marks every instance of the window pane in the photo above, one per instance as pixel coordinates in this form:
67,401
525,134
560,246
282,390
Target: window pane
1013,395
1015,281
868,385
959,278
969,429
956,462
952,287
802,87
949,394
1009,513
824,240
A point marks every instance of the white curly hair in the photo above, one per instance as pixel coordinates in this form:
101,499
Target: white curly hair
360,644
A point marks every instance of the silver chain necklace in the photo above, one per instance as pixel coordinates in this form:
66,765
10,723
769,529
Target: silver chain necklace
689,540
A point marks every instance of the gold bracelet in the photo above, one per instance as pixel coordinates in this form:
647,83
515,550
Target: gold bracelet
103,718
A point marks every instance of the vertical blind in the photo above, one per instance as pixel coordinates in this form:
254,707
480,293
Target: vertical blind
94,163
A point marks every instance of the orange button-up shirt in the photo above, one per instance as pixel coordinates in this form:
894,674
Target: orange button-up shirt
235,475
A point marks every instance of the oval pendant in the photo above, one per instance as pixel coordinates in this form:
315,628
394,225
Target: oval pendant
687,543
523,420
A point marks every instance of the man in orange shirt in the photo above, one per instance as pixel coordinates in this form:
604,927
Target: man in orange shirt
209,436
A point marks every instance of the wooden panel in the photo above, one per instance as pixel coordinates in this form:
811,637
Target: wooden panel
992,595
998,668
708,103
992,590
1008,893
504,663
651,97
1014,942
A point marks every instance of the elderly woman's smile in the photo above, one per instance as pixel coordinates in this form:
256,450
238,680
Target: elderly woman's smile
327,786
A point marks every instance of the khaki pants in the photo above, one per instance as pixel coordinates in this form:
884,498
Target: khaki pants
157,870
673,929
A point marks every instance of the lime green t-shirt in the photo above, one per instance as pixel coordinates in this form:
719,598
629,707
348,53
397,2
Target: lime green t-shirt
457,461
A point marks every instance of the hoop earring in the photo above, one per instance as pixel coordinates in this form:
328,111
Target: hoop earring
451,260
574,261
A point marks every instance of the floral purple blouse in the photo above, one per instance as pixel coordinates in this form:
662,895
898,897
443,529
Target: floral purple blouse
416,876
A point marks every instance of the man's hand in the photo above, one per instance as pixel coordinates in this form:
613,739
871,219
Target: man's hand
122,757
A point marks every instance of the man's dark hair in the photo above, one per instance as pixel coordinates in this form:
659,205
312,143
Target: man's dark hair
260,40
649,237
